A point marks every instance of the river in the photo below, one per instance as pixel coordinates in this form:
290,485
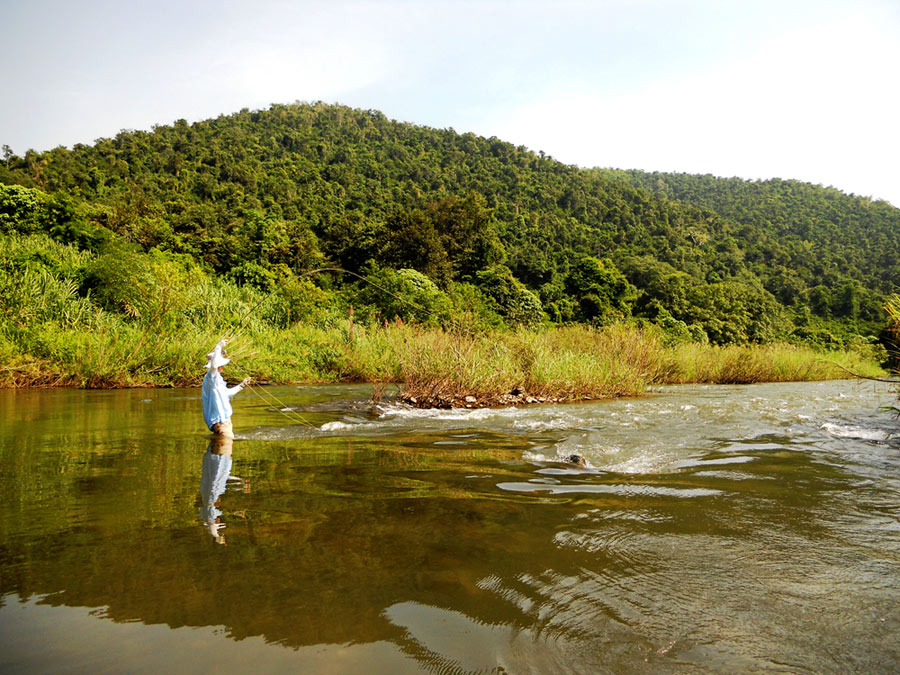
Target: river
707,529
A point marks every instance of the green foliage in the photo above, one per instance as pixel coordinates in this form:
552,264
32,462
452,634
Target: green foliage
602,292
675,331
293,300
515,303
804,242
39,282
152,287
472,309
468,232
892,331
163,313
34,296
405,294
252,274
662,286
733,312
22,209
296,187
27,210
411,240
558,305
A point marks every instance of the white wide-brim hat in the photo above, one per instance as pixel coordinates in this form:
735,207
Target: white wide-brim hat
215,359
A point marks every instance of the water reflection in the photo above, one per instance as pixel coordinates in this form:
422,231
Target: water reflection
214,481
722,535
217,462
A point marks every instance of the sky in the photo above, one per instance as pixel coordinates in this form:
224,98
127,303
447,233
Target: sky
797,89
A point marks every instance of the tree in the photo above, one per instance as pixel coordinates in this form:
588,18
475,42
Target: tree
515,303
601,290
412,241
405,293
468,233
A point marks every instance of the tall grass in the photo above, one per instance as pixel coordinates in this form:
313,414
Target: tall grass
564,364
745,364
580,362
54,333
431,364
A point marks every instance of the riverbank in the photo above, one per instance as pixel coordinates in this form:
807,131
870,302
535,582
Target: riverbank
435,368
578,363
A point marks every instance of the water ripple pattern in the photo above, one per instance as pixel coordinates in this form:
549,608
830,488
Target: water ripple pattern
699,529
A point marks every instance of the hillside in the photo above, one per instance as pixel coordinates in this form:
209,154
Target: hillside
849,236
262,197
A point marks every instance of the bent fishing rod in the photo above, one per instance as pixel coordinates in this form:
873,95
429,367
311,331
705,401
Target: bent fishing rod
331,269
280,405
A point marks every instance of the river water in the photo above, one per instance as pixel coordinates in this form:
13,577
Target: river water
708,529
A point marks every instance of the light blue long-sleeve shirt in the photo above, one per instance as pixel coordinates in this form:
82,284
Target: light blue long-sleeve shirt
217,398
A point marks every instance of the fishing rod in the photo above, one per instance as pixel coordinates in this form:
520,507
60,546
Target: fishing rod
332,269
279,404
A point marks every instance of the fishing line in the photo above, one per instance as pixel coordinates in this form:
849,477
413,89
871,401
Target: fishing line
279,404
331,269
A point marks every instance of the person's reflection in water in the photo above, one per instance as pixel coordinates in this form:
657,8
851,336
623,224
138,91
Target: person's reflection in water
214,481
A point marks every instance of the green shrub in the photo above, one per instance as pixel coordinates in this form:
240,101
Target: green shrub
515,303
151,287
406,294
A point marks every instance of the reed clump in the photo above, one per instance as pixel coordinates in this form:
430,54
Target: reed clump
577,362
496,368
748,364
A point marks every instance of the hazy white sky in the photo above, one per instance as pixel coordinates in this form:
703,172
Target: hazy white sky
751,88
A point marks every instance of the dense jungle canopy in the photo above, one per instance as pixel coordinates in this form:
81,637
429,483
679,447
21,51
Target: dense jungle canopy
453,221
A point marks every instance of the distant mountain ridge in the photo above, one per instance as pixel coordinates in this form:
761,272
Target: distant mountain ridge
296,186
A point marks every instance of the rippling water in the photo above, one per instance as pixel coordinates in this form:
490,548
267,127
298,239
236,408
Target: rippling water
710,529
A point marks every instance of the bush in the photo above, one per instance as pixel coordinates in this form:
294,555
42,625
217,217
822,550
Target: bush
252,274
28,211
292,300
472,309
22,209
515,303
406,294
153,288
601,290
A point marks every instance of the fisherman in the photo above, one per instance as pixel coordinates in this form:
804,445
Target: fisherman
216,394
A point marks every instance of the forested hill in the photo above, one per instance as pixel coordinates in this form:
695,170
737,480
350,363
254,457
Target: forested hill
259,196
854,235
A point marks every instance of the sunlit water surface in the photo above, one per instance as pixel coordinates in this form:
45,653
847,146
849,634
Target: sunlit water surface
709,529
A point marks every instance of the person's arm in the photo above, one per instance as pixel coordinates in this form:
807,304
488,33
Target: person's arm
238,387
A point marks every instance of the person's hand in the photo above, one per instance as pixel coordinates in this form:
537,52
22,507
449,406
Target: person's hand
224,341
245,381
